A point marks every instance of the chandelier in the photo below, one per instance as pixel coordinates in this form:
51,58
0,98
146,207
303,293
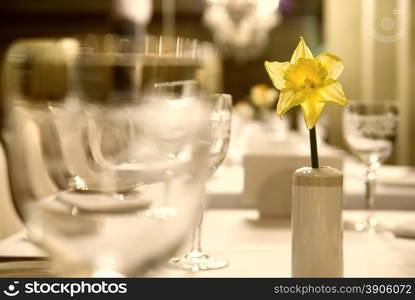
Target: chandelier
240,28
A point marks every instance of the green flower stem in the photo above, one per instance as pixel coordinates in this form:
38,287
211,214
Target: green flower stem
313,147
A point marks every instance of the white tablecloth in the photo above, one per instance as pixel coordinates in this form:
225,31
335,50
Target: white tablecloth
226,188
396,186
262,247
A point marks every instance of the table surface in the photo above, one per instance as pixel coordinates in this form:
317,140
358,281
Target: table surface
396,190
225,189
262,247
396,184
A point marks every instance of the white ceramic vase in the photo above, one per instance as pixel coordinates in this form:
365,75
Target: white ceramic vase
316,221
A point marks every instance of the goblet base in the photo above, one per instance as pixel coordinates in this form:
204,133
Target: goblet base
370,225
198,261
161,213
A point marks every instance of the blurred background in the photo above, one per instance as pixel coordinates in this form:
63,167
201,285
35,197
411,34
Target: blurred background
374,38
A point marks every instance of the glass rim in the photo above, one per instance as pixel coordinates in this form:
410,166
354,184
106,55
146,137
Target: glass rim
146,45
372,102
375,104
109,48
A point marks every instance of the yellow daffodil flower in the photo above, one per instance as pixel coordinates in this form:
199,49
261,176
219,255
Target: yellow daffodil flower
307,81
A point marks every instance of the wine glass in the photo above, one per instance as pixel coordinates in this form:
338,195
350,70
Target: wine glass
370,131
176,102
72,227
197,259
114,71
92,233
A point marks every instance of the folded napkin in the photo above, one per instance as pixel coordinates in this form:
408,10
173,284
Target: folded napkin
18,246
268,180
26,269
20,258
386,175
405,230
401,176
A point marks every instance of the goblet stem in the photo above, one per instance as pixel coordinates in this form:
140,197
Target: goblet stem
196,259
196,246
197,230
167,188
162,209
169,175
371,221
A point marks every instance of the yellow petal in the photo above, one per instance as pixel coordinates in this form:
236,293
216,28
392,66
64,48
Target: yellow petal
288,99
332,63
302,51
333,93
312,109
276,72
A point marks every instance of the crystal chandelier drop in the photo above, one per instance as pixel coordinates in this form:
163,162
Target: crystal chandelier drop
241,27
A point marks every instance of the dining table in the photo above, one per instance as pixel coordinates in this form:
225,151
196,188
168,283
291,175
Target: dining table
258,246
261,247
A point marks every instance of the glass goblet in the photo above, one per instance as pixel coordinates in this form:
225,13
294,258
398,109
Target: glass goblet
91,233
197,259
176,101
369,129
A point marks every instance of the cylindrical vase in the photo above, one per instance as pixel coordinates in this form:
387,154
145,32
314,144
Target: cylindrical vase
316,222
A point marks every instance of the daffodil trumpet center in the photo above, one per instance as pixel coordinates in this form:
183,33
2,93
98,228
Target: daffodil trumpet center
306,75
